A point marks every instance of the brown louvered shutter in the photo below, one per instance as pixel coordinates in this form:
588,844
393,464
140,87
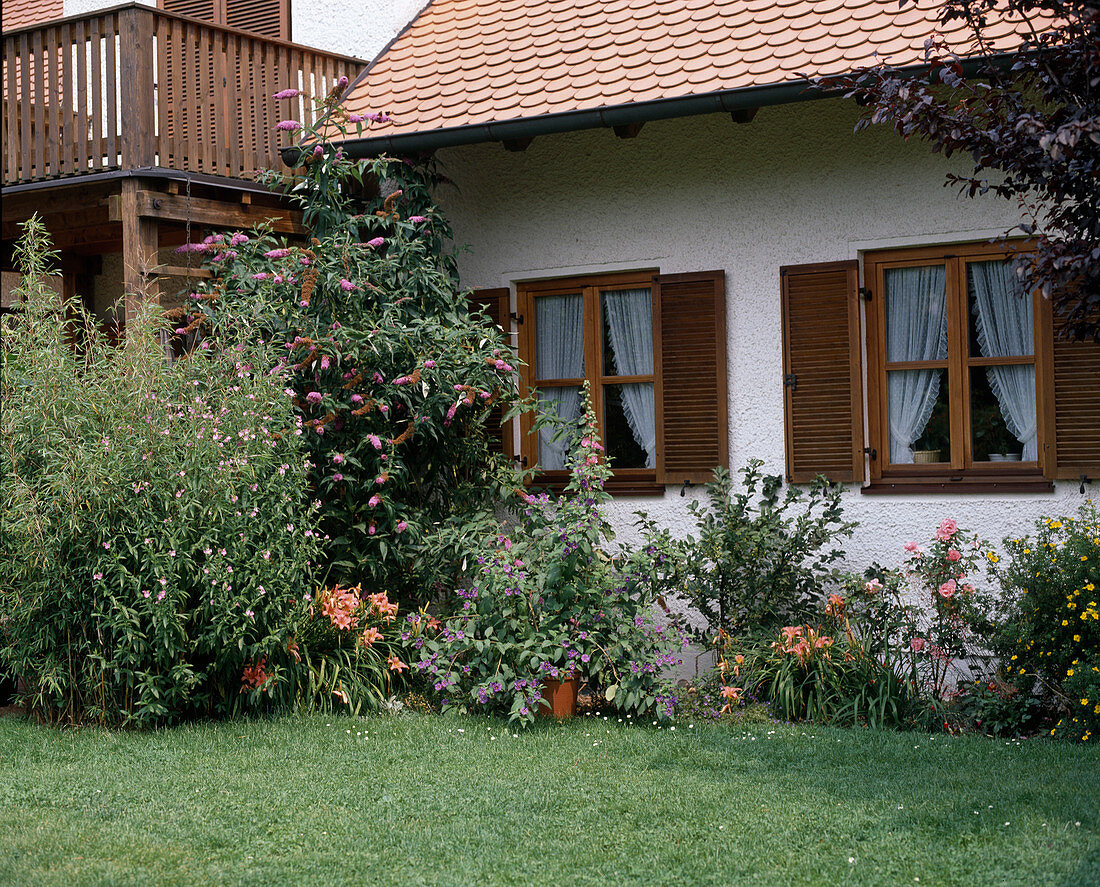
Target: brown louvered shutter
207,10
494,304
689,339
1071,395
822,382
271,18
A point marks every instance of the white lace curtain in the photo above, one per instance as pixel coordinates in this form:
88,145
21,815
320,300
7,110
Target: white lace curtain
559,354
916,329
630,327
1002,312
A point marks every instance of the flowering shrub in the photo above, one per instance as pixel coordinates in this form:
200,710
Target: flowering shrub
351,647
155,537
1049,634
947,648
546,601
392,376
762,559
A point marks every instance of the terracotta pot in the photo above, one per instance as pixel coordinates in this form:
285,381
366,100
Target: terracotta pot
562,696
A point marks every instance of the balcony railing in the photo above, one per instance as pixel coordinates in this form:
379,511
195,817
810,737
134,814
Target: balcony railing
133,87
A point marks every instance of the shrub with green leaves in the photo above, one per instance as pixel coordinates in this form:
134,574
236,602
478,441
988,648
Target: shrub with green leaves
393,376
546,600
157,545
762,557
1048,635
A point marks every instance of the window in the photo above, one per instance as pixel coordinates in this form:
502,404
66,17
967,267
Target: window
970,386
652,348
952,376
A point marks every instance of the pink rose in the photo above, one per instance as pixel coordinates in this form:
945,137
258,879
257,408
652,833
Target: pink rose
873,586
954,555
946,529
947,590
917,644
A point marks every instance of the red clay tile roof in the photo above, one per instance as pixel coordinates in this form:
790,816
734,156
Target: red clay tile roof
20,13
465,63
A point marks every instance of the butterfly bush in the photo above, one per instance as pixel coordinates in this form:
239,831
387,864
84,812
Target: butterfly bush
391,376
157,540
545,601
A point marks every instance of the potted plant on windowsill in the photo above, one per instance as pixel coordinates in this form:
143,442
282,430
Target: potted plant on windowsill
546,607
1002,443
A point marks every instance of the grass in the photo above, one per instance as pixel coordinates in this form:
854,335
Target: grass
419,799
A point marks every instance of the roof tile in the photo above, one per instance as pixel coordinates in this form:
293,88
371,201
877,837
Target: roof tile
467,62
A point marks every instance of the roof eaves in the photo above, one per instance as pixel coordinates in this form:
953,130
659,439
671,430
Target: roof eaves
614,115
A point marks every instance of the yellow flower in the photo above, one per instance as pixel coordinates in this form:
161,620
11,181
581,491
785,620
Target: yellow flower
1013,655
1065,622
1084,702
1076,638
1069,673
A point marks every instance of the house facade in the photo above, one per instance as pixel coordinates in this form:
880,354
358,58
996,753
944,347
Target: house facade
653,202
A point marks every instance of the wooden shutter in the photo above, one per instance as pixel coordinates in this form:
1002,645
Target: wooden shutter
822,382
1070,386
271,18
494,304
691,405
207,10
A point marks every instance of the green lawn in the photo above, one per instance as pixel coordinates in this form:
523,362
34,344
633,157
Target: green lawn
429,800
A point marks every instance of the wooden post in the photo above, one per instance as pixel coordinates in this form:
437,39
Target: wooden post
135,27
139,251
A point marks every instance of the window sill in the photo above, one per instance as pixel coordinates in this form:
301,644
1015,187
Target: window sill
616,486
1022,483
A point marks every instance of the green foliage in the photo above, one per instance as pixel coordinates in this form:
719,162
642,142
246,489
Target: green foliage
998,708
547,601
393,378
762,558
1048,635
156,537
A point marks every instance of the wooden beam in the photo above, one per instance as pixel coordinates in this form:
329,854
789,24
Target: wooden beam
22,205
139,251
179,271
516,145
743,115
628,130
216,213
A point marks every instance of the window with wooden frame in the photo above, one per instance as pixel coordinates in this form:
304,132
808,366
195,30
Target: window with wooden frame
953,358
652,348
269,18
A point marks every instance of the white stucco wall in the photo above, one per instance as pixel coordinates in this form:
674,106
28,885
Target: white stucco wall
361,28
796,185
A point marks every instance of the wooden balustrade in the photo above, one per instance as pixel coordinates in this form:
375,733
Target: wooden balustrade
133,87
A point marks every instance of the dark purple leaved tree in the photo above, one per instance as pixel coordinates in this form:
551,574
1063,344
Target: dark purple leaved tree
1031,121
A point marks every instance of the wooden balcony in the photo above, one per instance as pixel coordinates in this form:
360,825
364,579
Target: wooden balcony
132,88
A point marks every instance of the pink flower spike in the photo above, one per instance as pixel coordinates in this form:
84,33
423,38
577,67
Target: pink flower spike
346,285
343,81
287,94
429,364
288,125
402,526
356,118
376,242
416,220
375,501
277,253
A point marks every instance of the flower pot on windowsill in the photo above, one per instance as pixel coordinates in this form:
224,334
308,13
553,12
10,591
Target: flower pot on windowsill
1004,457
925,456
562,696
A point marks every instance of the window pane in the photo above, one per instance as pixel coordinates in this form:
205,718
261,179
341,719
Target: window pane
628,425
916,313
1002,413
917,403
1001,320
627,318
566,403
559,337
